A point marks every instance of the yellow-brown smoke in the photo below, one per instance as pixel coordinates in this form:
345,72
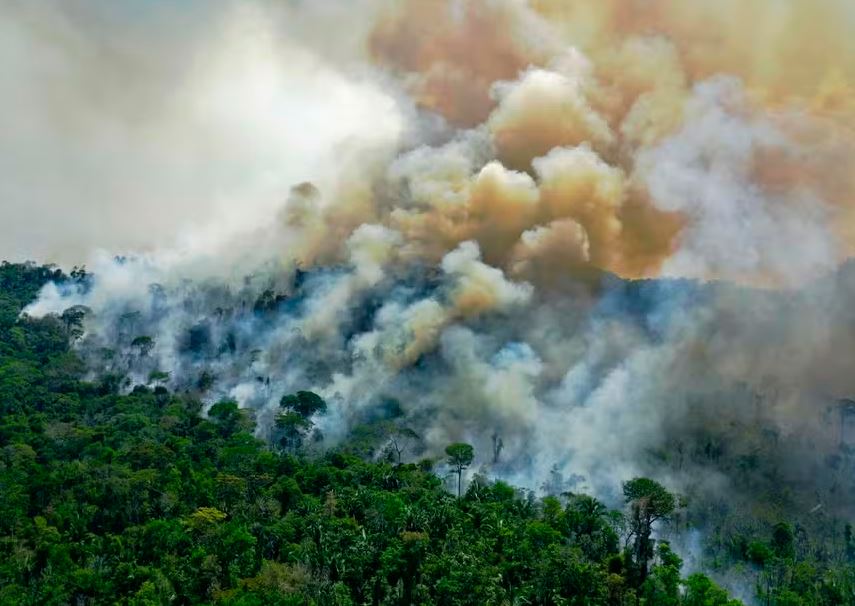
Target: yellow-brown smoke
455,51
571,114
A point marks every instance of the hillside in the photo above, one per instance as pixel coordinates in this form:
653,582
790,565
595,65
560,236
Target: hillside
427,302
138,498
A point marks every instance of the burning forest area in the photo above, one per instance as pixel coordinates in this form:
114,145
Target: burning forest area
489,302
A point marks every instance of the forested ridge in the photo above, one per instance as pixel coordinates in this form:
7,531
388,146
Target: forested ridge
111,496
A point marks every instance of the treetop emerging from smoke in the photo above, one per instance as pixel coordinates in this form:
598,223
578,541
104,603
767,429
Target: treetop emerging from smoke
450,205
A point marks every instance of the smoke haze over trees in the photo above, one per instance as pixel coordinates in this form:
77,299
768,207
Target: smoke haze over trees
594,241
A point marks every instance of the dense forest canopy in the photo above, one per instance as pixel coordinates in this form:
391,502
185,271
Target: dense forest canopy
427,302
113,495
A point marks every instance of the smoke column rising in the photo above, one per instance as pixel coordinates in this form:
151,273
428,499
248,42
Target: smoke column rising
453,205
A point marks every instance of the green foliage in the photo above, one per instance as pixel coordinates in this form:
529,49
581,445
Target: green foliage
701,591
146,498
205,517
648,494
304,403
649,502
759,552
783,541
460,457
662,586
143,344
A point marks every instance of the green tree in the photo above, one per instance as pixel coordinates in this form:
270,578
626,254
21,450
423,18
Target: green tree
143,344
304,403
701,591
662,586
460,456
293,424
110,497
230,418
783,540
72,318
290,430
648,503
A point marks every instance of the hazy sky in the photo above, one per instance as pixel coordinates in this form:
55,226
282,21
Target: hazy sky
132,124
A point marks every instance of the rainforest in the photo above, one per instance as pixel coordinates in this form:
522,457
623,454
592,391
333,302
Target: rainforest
494,302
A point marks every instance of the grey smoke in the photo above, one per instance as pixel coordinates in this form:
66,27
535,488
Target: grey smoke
358,285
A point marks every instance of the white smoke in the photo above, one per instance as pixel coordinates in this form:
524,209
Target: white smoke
477,277
736,229
129,128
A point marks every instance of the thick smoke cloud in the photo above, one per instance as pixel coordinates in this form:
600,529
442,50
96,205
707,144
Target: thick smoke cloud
611,234
736,228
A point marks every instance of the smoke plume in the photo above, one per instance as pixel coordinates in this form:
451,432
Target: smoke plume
603,231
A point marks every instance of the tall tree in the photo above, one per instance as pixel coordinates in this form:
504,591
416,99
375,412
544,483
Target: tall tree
400,438
293,423
648,503
304,403
498,445
460,457
143,344
72,318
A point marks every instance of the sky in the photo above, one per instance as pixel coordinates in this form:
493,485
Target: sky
134,125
